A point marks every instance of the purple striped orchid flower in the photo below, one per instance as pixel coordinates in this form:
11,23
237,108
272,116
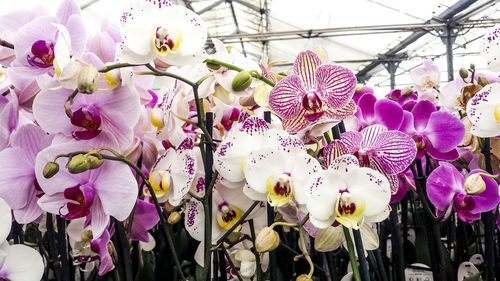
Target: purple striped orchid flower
387,151
470,196
314,93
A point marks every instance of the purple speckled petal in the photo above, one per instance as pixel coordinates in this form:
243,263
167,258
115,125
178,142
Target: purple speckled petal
183,173
285,98
366,105
421,113
395,150
376,164
444,131
388,113
442,185
489,198
305,67
195,218
336,84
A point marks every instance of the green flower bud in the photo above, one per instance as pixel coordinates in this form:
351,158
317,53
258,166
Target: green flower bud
242,81
95,162
88,79
267,240
78,164
50,169
463,73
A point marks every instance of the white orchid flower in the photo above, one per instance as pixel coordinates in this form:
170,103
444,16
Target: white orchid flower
280,175
17,262
174,34
347,194
483,111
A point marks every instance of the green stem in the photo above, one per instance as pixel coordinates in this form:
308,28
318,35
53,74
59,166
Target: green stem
158,72
208,225
327,137
195,196
305,253
352,254
115,66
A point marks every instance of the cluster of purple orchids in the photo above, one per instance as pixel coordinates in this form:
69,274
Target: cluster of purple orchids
108,141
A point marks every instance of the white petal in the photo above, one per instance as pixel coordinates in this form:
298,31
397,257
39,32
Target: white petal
491,51
481,111
369,237
370,185
261,164
304,166
23,263
321,195
149,245
194,221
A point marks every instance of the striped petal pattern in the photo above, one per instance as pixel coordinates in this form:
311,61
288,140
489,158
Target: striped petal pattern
305,67
285,98
335,84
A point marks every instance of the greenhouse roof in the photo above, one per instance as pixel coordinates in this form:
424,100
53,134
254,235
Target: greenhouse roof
358,34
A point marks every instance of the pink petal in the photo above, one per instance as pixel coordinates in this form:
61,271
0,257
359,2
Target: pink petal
395,150
352,140
366,105
445,131
334,150
336,84
388,113
99,219
305,67
407,125
31,211
66,9
16,178
285,98
442,185
370,135
32,139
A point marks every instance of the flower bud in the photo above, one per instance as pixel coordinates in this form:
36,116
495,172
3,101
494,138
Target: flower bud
174,218
407,92
482,81
303,277
50,169
213,66
267,240
463,73
242,81
68,112
78,164
88,79
472,66
474,184
234,237
328,239
95,162
359,88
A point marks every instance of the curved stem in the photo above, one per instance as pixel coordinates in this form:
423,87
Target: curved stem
6,44
165,73
352,255
254,74
257,256
115,66
305,253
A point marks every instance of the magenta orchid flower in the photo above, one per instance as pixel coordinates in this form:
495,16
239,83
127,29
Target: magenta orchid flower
314,93
145,218
436,132
18,184
383,111
470,196
110,190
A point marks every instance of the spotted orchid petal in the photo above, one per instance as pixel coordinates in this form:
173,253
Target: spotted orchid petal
483,111
372,186
321,194
490,50
286,97
336,84
305,67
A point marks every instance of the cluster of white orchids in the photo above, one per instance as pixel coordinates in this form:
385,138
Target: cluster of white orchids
117,136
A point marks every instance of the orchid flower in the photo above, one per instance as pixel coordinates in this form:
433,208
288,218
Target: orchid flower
97,194
383,111
35,41
105,118
490,49
244,137
17,262
172,175
436,132
174,34
347,194
10,23
228,206
426,78
279,174
145,218
331,238
18,184
86,248
315,93
406,98
483,111
388,151
470,196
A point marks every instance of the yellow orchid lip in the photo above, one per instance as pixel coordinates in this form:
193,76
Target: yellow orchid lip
166,40
349,212
228,215
497,113
279,189
160,181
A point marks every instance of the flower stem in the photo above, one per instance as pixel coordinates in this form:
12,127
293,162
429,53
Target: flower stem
305,253
231,263
257,256
6,44
115,66
254,74
352,255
